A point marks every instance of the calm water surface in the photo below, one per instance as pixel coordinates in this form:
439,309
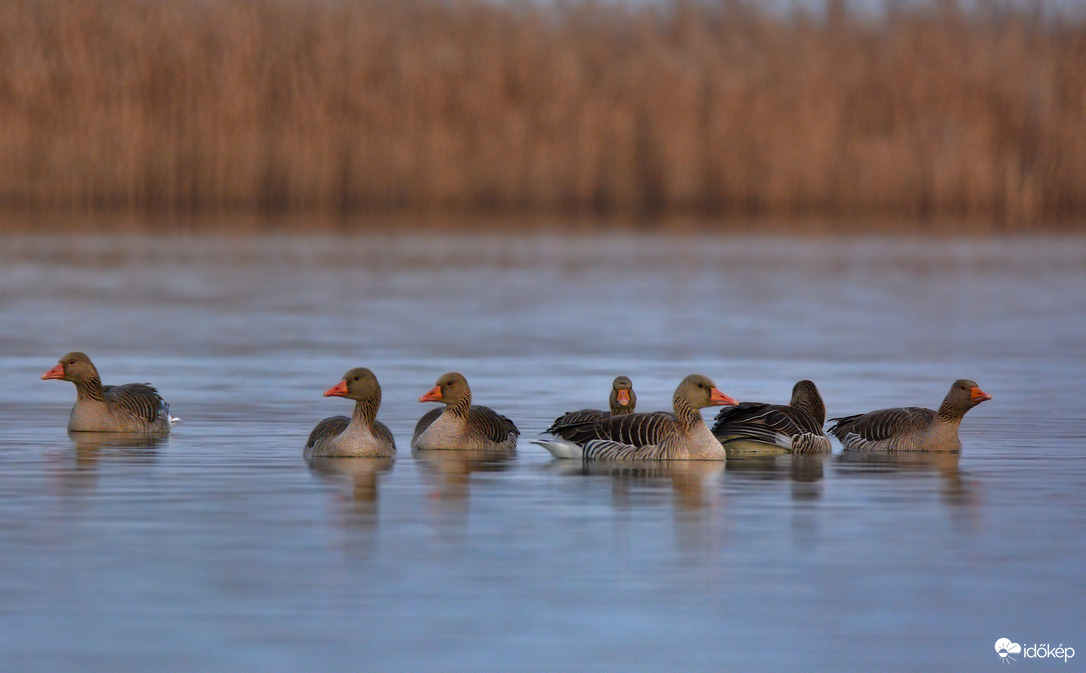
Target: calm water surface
220,549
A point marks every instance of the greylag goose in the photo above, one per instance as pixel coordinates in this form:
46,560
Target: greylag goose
461,424
621,401
911,428
132,407
795,427
659,435
361,435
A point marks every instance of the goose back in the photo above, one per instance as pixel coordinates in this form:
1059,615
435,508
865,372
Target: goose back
622,401
795,427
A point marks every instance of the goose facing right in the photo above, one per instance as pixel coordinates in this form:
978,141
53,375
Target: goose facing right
911,428
795,427
461,425
361,435
660,435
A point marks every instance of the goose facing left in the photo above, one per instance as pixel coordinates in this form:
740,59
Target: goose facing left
461,425
131,407
361,435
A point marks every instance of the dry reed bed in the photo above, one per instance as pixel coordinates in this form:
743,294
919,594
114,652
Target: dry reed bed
338,106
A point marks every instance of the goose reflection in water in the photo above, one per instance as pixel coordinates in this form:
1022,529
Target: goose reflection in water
449,473
693,482
92,448
956,488
361,476
805,470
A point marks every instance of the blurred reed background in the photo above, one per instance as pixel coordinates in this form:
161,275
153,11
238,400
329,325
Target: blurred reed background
714,109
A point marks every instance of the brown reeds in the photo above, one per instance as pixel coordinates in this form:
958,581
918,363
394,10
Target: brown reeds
342,106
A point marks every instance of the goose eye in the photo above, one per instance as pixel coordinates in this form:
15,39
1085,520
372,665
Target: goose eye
356,378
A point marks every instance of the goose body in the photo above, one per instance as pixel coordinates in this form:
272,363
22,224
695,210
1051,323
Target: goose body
461,425
659,435
795,427
911,428
622,401
361,434
131,407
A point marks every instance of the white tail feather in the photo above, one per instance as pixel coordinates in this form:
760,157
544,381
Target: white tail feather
560,448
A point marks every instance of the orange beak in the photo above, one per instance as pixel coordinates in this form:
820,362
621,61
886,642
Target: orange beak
978,395
717,398
432,396
338,390
623,397
54,373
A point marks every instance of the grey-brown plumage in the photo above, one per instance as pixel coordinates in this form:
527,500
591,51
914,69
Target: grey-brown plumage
794,427
681,435
622,401
461,425
911,428
361,435
131,407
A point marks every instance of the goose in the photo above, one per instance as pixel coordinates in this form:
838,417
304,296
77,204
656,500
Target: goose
659,435
795,427
621,401
461,425
361,435
911,428
132,407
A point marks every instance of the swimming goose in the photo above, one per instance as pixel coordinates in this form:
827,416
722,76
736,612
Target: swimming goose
794,427
911,428
621,401
461,424
132,407
659,435
361,435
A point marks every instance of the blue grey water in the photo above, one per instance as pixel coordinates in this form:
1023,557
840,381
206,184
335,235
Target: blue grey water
220,549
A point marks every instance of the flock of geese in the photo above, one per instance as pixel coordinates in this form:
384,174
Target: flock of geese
620,433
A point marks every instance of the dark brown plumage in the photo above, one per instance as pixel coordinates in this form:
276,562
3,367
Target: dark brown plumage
621,401
795,427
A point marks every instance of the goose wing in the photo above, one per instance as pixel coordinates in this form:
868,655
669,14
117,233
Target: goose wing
138,400
576,419
426,421
764,422
491,424
381,431
332,426
644,429
883,424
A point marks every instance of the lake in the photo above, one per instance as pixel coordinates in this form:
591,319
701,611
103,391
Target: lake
221,549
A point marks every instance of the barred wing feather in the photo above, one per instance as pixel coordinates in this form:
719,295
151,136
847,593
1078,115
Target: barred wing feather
138,400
